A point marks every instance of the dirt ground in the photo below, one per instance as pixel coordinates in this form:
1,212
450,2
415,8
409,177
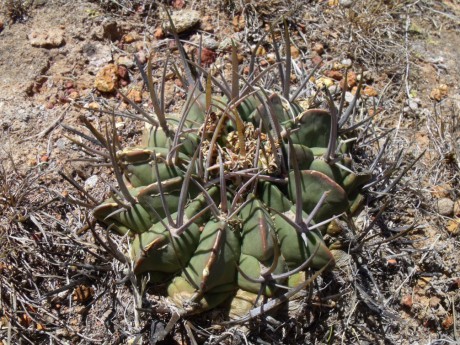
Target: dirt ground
57,286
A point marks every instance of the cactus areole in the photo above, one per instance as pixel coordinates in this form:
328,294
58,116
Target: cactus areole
229,199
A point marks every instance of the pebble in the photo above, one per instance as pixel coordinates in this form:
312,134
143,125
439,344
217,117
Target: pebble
349,96
261,51
226,44
131,37
183,20
445,207
346,3
206,24
448,322
334,89
210,43
316,59
107,79
324,82
439,93
159,33
346,62
52,38
337,75
61,143
126,61
295,53
318,48
406,301
453,227
208,56
97,54
370,91
91,182
135,96
413,104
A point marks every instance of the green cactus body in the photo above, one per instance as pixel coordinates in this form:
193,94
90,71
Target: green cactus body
222,197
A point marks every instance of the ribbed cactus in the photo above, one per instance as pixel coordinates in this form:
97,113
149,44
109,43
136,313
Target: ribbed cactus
230,199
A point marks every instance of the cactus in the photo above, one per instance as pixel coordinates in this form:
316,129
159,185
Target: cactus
230,200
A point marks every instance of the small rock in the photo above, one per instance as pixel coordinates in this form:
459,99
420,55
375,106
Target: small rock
316,59
208,56
91,182
107,79
226,44
183,20
73,94
206,24
334,89
413,105
210,43
392,263
445,207
406,301
44,158
97,54
351,79
346,3
349,97
370,91
434,301
439,93
318,48
295,53
453,227
448,322
52,38
1,25
178,4
93,106
131,37
346,62
271,58
159,33
126,61
423,282
135,95
61,143
261,51
324,82
337,75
